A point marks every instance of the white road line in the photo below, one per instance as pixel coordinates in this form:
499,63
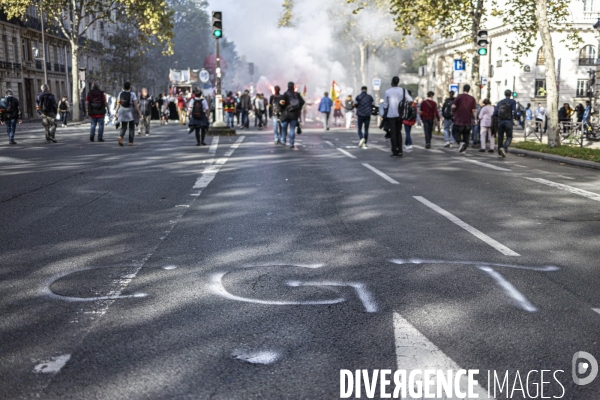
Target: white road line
520,166
567,188
346,153
378,147
211,171
428,150
597,310
565,177
475,232
519,299
490,166
415,352
329,143
213,145
381,174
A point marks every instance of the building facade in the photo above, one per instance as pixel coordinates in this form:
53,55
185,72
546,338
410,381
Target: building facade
526,78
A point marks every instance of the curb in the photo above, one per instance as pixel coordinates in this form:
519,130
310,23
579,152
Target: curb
554,157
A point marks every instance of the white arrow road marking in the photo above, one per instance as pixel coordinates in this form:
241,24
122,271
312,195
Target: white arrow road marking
346,153
597,310
475,232
415,352
548,268
567,188
519,299
52,365
361,291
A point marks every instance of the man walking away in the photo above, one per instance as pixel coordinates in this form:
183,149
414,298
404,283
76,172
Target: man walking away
337,112
485,118
394,103
63,110
506,111
245,106
146,103
292,108
229,108
11,115
364,107
409,120
96,106
587,113
430,117
198,117
579,110
325,109
349,111
464,109
127,105
563,116
275,110
448,122
46,106
259,110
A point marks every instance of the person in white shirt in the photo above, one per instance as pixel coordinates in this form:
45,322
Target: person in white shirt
540,117
392,99
259,109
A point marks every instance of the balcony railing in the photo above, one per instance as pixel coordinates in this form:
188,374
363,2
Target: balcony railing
5,65
56,67
38,64
587,61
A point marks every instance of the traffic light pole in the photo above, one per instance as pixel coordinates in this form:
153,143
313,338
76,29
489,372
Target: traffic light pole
219,123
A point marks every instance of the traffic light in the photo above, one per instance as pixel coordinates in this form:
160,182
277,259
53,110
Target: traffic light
251,68
514,95
482,42
217,24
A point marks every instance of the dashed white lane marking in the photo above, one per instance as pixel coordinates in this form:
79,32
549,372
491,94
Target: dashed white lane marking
415,352
346,153
329,143
597,310
490,166
473,231
519,299
52,365
567,188
378,147
381,174
565,177
520,166
257,357
428,150
213,146
211,171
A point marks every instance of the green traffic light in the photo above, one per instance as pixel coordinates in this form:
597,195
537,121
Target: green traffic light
482,51
514,94
217,33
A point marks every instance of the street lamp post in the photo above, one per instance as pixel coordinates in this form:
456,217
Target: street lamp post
219,123
597,86
43,42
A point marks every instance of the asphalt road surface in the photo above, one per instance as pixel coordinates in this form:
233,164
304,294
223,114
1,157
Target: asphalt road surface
248,270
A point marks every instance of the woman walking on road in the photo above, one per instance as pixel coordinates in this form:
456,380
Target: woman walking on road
63,109
485,118
349,105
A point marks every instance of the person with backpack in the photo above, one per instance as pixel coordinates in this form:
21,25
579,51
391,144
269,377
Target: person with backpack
349,111
275,111
364,108
337,112
409,120
579,110
485,117
394,104
146,103
46,106
229,108
291,109
430,117
97,107
11,115
325,109
464,110
127,107
198,116
448,120
506,111
63,110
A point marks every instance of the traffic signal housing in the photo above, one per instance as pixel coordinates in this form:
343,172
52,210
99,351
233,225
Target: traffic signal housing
217,24
482,42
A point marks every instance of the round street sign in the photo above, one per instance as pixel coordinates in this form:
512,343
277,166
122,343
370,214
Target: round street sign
204,76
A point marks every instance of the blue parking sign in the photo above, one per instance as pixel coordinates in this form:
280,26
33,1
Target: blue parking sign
454,88
459,65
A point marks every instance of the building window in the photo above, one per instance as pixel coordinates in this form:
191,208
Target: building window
540,88
5,42
590,5
541,60
499,60
582,87
15,51
587,55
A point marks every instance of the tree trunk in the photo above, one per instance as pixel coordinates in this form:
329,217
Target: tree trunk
551,87
354,73
475,60
75,80
363,62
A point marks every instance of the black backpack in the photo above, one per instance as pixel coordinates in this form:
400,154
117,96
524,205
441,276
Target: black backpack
505,111
46,103
402,106
125,99
276,105
294,104
4,105
198,110
409,112
96,100
447,109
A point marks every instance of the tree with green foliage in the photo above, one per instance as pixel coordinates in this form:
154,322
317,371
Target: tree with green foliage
74,18
287,16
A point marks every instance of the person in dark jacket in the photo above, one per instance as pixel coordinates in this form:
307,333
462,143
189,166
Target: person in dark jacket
46,106
292,104
245,107
579,110
146,103
364,107
563,116
12,116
